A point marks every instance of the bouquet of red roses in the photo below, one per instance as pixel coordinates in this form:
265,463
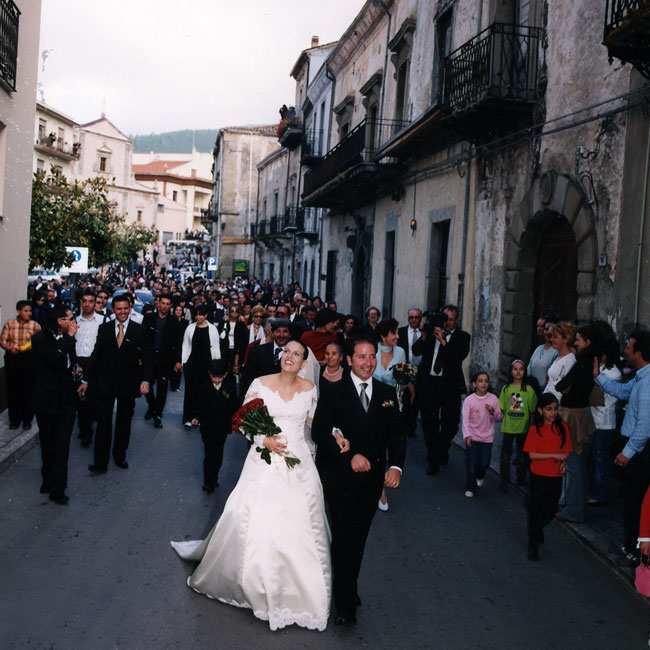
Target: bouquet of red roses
253,419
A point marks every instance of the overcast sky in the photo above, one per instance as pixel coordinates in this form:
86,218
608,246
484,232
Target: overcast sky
164,65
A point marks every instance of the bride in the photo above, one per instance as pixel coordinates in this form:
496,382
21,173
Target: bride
269,551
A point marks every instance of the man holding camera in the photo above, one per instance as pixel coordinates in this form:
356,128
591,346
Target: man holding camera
443,347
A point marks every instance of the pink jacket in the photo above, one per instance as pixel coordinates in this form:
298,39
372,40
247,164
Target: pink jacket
478,424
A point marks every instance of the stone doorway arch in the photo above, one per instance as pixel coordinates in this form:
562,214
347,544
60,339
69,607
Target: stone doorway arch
551,196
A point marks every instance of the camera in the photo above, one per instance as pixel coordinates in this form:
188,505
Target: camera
434,319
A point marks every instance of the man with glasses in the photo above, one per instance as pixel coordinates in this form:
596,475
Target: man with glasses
408,335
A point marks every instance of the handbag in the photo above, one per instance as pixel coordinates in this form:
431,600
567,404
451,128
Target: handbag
642,579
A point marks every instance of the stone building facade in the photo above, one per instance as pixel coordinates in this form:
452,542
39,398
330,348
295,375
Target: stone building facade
54,141
20,22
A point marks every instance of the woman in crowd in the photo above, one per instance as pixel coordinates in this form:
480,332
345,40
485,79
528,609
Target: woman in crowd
177,312
562,337
372,318
390,354
542,358
255,328
575,388
234,338
332,371
200,344
350,326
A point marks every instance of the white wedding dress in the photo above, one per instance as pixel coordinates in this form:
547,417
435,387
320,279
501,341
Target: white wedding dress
269,551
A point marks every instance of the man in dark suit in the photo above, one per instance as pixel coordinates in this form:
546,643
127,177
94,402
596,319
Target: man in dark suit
441,381
264,359
54,398
355,424
407,336
120,368
307,324
166,338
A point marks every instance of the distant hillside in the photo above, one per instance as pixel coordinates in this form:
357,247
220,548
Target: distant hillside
175,141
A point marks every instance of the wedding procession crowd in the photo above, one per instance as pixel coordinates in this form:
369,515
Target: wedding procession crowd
327,402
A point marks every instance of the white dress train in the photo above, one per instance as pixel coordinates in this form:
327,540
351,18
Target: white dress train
269,551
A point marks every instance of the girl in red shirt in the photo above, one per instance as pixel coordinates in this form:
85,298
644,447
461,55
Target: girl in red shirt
548,445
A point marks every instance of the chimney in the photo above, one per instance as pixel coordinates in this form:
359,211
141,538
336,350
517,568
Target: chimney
314,41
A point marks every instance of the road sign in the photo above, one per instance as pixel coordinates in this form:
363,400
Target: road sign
79,259
212,263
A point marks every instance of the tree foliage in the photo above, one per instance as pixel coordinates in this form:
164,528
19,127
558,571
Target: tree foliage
79,213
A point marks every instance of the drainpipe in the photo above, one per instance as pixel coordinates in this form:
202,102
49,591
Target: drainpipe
641,233
286,194
257,220
480,16
383,81
463,260
220,172
330,75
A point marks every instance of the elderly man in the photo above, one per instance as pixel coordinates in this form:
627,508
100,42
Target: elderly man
635,456
408,335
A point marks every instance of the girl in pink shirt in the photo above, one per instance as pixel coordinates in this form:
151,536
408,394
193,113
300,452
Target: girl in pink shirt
480,412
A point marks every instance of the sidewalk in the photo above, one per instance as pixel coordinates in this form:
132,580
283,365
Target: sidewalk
14,442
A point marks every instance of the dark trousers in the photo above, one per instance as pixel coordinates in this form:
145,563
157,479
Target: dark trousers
19,374
54,431
352,504
440,412
477,461
86,407
103,435
213,444
510,441
175,380
542,505
636,479
157,395
410,411
194,377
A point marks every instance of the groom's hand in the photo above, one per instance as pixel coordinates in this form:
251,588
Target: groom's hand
360,463
392,478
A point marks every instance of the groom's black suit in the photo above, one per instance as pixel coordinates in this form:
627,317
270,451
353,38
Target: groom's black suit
352,496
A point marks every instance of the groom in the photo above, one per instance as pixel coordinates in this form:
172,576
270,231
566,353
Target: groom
365,412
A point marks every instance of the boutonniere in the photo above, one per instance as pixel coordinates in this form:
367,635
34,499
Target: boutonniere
225,394
387,403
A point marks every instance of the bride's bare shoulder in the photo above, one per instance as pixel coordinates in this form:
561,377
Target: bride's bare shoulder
304,385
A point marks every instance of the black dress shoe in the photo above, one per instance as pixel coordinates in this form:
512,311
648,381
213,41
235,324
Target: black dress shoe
14,426
61,499
45,488
345,619
432,470
97,469
148,415
122,464
208,488
27,426
157,422
85,442
533,554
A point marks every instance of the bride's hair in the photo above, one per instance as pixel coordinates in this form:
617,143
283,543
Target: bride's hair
305,353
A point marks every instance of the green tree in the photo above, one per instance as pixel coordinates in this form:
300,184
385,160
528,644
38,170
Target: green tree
79,213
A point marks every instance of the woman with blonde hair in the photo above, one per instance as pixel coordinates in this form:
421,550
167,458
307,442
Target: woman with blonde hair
255,328
562,339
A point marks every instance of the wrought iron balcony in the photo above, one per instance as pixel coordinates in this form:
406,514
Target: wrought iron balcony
494,74
9,17
349,175
627,33
313,147
307,223
58,148
261,229
290,217
290,132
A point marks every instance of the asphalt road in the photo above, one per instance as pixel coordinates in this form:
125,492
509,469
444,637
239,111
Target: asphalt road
440,570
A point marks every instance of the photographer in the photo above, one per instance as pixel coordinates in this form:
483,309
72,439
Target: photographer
443,347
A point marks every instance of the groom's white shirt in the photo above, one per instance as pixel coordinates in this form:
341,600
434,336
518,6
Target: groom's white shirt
357,381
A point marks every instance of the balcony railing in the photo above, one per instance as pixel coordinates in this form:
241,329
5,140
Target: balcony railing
261,229
627,32
290,217
501,63
9,17
59,148
313,146
307,223
290,132
353,165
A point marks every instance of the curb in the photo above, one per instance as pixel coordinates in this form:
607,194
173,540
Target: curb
19,446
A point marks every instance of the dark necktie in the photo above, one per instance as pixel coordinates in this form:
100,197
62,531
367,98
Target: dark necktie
365,402
276,356
437,364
